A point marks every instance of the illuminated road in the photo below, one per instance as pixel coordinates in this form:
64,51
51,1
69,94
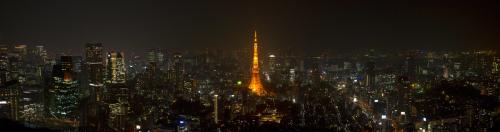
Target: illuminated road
369,110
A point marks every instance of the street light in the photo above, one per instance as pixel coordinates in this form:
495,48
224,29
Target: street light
137,127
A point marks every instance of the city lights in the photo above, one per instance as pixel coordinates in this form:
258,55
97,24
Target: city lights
195,87
255,84
249,66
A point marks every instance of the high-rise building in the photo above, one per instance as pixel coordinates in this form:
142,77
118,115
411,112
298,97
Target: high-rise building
116,90
255,83
4,48
95,69
77,63
155,55
118,104
4,64
272,63
178,76
16,70
21,50
115,68
65,89
370,74
42,53
9,99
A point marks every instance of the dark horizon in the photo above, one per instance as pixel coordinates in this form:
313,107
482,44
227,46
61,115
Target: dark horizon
127,25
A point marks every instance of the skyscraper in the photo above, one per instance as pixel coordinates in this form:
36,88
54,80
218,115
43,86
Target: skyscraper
255,84
65,89
157,58
9,99
4,64
92,113
116,90
94,60
272,63
115,65
21,50
178,73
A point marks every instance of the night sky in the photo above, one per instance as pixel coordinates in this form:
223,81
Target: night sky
138,25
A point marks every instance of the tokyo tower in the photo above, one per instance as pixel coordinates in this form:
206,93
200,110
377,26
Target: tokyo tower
255,84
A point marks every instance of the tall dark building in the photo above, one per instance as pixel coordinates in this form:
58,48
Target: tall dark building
93,111
64,94
178,72
9,99
370,74
95,69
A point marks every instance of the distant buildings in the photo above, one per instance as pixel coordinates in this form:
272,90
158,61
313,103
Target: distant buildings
366,90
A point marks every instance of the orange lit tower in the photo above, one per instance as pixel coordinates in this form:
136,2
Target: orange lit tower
255,84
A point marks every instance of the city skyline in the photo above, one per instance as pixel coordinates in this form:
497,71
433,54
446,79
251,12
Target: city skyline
244,90
244,66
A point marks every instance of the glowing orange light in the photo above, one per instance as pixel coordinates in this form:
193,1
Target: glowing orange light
255,84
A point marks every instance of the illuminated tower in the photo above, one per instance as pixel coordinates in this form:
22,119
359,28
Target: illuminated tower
255,84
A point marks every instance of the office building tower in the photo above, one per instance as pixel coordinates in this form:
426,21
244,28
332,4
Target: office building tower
95,69
65,90
115,68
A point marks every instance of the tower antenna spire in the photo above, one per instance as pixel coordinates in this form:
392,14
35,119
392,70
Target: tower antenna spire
255,35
